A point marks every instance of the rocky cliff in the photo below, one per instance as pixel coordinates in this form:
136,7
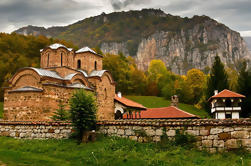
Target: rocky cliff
182,43
183,50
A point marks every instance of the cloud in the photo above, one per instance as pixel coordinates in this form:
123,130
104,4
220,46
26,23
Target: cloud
121,4
245,33
16,13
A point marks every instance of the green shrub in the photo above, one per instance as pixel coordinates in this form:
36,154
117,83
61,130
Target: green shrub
83,112
141,133
61,114
184,139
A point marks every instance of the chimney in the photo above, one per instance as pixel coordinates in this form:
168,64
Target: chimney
174,100
119,94
215,92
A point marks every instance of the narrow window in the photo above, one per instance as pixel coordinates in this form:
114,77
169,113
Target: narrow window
95,65
48,59
105,93
79,64
61,59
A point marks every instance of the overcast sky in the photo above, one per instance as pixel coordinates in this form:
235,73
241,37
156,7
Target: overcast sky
15,14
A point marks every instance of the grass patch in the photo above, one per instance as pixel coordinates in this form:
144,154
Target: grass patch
155,102
1,109
109,151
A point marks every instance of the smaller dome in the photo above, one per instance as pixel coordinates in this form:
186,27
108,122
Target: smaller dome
56,46
85,49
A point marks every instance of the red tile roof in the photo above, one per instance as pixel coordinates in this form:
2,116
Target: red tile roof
129,103
163,113
226,94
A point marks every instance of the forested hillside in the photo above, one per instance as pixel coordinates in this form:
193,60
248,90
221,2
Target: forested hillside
17,51
181,43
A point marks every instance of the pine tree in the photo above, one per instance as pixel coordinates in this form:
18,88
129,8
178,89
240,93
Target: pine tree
60,114
218,80
244,87
83,112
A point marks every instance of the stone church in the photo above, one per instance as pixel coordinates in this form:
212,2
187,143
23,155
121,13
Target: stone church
34,93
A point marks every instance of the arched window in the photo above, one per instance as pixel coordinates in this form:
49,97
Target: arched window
95,65
79,64
61,59
48,59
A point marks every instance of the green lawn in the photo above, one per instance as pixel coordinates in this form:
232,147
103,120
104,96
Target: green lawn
1,109
155,102
110,151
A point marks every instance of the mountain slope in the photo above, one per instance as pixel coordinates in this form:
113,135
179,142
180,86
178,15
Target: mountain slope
182,43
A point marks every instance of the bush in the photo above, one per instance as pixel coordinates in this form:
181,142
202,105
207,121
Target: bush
61,114
184,139
83,112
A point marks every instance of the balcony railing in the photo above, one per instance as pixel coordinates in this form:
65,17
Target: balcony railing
222,108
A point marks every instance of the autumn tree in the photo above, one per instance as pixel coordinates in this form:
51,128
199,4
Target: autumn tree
137,81
232,78
118,65
156,71
196,81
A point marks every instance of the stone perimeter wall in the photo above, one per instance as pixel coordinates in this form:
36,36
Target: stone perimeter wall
35,130
212,135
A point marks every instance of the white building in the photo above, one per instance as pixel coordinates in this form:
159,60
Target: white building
226,104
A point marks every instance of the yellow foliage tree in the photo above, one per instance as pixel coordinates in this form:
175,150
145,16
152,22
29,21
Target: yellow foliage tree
156,70
196,80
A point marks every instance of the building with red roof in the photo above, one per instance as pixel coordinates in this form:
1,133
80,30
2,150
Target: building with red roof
123,105
170,112
128,109
226,104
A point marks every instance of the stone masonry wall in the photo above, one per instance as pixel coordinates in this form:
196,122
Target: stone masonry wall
211,134
105,98
35,130
35,106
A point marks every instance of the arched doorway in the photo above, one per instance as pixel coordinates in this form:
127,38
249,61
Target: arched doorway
118,115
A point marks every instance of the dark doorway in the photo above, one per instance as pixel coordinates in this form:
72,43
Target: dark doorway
228,103
228,116
118,115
